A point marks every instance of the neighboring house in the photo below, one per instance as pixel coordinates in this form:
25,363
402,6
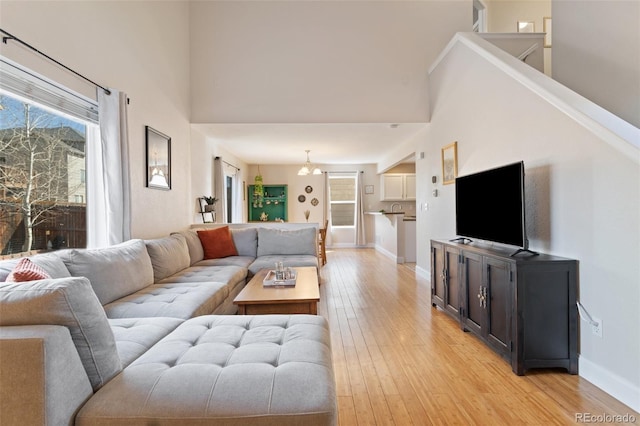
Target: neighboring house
59,167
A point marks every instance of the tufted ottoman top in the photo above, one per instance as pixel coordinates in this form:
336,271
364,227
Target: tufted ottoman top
226,370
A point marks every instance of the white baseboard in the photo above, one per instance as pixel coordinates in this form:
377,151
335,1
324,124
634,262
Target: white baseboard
387,253
423,273
616,386
350,245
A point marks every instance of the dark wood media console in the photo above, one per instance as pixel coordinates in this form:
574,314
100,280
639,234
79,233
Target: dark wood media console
523,307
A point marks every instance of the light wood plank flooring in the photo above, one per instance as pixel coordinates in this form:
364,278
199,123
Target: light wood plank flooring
398,361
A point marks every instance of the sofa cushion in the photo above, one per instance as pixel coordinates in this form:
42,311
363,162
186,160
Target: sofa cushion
168,255
226,370
135,336
42,379
241,261
50,262
246,241
178,300
217,243
115,271
26,270
284,242
69,302
196,253
6,266
203,274
268,262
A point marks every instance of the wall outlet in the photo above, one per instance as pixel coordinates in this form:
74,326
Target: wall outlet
597,329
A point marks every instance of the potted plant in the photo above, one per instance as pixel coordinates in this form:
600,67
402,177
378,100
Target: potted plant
211,203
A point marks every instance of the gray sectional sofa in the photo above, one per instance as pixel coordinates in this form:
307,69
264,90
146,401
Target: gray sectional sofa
140,333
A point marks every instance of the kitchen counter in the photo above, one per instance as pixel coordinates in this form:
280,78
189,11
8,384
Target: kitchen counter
395,235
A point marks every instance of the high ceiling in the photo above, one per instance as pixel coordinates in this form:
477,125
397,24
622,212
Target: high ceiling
328,76
328,143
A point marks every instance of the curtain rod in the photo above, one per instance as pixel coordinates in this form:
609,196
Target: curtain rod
228,164
12,37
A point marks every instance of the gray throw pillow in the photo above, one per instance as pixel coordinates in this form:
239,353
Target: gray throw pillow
196,252
114,272
68,302
285,242
169,255
246,241
6,266
52,264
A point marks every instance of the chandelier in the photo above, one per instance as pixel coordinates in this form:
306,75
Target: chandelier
308,169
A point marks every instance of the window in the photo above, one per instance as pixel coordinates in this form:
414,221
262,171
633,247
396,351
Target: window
229,195
42,177
342,199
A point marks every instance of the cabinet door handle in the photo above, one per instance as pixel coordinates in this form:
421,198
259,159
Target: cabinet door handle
482,297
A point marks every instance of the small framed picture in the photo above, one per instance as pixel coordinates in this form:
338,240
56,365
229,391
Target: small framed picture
546,28
158,147
526,27
450,163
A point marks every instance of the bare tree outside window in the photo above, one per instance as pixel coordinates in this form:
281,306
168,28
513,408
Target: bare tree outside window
42,188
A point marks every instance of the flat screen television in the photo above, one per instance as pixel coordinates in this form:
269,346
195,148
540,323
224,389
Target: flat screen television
490,205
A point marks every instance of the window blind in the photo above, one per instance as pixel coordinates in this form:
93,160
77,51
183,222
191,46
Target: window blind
28,85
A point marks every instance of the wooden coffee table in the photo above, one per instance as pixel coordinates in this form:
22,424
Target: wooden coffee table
302,299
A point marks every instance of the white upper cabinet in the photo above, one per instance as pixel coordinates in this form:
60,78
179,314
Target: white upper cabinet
398,186
410,186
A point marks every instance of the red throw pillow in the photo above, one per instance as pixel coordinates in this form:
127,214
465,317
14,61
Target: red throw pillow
217,243
26,270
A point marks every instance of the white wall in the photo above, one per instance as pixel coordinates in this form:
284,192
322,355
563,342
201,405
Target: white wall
582,198
317,61
596,52
503,16
203,151
140,48
288,175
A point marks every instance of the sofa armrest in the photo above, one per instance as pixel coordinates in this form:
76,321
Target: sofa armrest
42,380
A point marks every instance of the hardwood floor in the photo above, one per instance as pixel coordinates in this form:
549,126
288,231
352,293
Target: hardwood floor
398,361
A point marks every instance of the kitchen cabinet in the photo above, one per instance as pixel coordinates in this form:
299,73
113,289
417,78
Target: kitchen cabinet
445,284
486,301
523,306
398,186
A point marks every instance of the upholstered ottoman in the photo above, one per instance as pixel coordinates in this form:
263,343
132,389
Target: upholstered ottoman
226,370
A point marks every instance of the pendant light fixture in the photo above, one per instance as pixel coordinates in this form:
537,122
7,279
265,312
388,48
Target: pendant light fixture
308,169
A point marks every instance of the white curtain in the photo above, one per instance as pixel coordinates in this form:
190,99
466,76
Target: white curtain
361,237
238,195
219,190
108,181
325,198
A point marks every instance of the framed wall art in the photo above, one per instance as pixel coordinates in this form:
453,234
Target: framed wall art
526,27
450,163
158,147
